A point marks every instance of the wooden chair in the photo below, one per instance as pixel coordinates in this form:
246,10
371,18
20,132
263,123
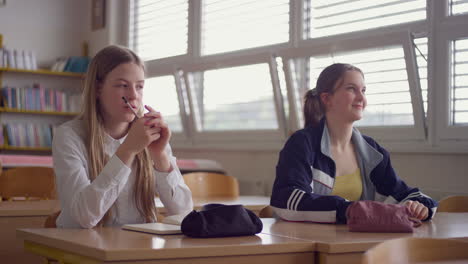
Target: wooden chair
50,221
416,250
207,185
266,212
453,204
28,182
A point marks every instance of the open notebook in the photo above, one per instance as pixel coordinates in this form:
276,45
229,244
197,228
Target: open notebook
170,225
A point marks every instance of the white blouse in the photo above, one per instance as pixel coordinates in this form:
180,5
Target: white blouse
84,203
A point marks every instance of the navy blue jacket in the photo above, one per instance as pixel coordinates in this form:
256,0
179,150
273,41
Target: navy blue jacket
305,177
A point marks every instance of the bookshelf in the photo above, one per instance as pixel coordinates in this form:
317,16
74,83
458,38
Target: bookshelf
28,115
29,149
43,72
22,111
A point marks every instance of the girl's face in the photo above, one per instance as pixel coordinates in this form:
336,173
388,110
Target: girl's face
127,80
349,100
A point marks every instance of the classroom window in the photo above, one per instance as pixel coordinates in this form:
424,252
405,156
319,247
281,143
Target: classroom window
459,82
237,98
161,94
420,46
458,7
387,87
158,29
230,25
327,18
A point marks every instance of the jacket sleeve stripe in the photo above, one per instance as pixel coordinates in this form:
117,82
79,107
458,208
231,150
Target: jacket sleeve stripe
291,198
298,200
414,195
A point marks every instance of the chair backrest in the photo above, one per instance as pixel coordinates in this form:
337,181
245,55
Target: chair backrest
416,250
29,182
50,221
453,204
207,184
266,212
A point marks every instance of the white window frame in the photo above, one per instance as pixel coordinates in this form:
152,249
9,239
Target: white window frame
433,135
451,28
214,138
399,133
184,137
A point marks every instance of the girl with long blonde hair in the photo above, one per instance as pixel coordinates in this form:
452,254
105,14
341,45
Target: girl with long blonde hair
113,159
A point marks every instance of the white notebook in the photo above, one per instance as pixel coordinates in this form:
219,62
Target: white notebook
174,219
154,228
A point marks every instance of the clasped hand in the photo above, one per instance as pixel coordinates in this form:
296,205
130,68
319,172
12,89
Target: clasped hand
149,131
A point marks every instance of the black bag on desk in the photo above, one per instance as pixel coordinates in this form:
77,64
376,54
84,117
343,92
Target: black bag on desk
219,220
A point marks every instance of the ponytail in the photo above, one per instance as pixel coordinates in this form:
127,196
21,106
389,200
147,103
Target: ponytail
313,108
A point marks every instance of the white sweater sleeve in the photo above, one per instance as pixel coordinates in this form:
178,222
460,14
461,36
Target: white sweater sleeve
173,192
86,201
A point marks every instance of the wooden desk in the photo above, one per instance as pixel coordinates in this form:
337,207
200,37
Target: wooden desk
335,244
47,207
28,208
456,261
254,203
114,245
21,214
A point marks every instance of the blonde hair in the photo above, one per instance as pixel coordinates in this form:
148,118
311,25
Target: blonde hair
144,188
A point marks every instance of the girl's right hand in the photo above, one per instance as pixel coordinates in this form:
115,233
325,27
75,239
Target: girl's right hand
139,137
417,209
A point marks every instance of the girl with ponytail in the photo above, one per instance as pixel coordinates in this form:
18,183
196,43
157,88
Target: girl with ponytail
113,159
329,164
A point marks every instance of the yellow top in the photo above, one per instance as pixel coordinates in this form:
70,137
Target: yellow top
348,186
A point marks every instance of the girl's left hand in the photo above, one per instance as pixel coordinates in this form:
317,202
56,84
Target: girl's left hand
155,119
417,209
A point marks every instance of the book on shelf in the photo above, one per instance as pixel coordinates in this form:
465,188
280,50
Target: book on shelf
28,135
18,59
76,64
39,98
2,59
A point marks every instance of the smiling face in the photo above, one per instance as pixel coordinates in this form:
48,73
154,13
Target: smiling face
348,100
127,80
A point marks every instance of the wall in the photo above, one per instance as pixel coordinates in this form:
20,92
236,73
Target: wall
437,175
115,30
51,28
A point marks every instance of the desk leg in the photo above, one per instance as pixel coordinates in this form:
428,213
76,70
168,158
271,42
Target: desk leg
56,254
340,258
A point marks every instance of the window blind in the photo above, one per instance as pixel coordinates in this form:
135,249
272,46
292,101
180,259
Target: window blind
158,28
238,98
387,88
229,25
161,94
331,17
459,83
458,7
